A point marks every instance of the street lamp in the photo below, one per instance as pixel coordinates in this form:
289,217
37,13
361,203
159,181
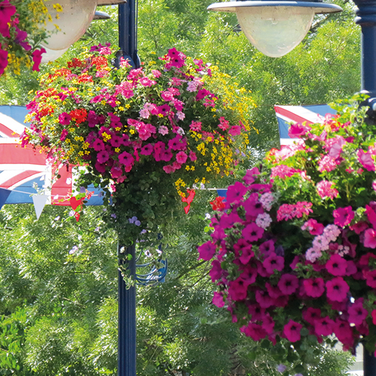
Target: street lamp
275,27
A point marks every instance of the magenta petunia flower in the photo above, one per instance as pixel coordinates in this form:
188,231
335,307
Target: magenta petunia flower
268,324
249,177
218,300
216,271
267,247
257,313
314,287
343,216
252,232
7,10
64,134
235,193
263,298
206,251
256,332
273,263
288,284
249,275
103,156
336,265
324,326
370,276
253,207
337,289
273,291
64,118
292,331
246,255
359,227
116,172
357,313
146,149
37,58
238,289
98,145
343,330
311,314
126,159
166,155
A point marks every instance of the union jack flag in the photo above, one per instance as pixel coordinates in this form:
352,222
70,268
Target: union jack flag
299,114
21,169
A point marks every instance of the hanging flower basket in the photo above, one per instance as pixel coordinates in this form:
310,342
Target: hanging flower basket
293,251
21,32
144,134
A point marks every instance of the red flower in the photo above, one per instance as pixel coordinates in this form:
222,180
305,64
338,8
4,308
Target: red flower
217,203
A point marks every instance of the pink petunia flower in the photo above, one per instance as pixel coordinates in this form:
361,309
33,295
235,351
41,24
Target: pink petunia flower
366,160
168,169
192,156
313,226
325,189
370,238
218,300
181,157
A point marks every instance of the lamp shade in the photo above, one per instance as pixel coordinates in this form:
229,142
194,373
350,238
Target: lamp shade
72,22
275,27
51,55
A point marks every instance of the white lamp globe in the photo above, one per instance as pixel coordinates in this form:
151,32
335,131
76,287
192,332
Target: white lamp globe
72,22
275,27
51,55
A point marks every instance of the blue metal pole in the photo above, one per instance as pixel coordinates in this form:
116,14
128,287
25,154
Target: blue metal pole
366,18
369,363
127,318
127,297
128,32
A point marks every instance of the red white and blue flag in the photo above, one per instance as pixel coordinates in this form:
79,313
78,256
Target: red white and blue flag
286,115
24,169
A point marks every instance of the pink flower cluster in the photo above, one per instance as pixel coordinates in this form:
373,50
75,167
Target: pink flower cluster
158,129
264,278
